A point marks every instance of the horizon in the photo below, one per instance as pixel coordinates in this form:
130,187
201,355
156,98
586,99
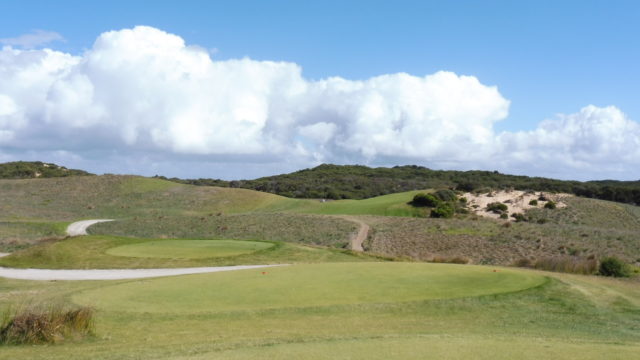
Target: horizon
204,90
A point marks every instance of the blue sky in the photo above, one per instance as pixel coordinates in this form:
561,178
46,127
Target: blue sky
545,57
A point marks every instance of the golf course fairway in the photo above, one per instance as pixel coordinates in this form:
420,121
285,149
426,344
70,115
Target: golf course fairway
189,249
307,286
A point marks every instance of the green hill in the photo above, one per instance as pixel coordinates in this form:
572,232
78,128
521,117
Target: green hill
360,182
36,169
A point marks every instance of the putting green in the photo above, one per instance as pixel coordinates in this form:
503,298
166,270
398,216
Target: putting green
305,286
188,249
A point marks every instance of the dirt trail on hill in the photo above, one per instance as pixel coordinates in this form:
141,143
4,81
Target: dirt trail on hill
363,232
115,274
79,228
4,254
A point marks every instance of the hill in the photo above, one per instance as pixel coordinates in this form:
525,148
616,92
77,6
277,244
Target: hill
36,169
360,182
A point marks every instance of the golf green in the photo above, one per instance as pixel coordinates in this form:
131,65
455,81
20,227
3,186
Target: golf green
188,249
307,285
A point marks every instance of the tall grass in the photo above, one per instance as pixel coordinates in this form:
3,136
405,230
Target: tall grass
565,264
53,325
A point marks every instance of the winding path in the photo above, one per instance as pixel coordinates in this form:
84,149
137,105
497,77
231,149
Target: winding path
79,228
115,274
363,232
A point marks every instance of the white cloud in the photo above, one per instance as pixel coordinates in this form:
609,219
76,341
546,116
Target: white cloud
33,39
144,94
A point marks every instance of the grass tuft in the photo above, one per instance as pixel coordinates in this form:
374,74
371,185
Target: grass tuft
54,325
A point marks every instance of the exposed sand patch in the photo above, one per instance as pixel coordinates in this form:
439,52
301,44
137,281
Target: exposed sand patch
517,201
79,228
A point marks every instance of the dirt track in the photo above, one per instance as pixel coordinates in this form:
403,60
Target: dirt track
363,232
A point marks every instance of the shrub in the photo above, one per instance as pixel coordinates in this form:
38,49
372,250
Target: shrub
533,202
612,266
550,205
445,195
497,207
443,210
425,200
519,217
45,327
504,216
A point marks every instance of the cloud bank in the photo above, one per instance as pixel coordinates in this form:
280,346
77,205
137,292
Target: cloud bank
141,100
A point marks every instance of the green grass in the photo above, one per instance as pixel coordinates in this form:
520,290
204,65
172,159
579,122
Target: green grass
307,286
386,205
189,249
92,252
567,317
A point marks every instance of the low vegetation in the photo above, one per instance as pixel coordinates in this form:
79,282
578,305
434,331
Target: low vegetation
50,326
360,182
36,169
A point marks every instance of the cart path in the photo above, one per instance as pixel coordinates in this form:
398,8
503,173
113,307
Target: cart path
4,254
80,227
116,274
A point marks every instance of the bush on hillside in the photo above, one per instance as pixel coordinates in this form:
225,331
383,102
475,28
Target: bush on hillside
497,207
612,266
533,202
446,195
519,217
425,200
550,205
443,210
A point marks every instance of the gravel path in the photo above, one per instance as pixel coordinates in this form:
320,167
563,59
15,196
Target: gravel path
114,274
80,227
4,254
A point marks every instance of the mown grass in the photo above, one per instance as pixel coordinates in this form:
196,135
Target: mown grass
308,286
570,316
91,252
189,249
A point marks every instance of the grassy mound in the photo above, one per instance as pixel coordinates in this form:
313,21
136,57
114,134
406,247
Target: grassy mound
92,252
189,249
308,286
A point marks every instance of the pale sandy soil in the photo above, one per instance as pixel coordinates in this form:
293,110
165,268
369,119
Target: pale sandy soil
114,274
80,227
517,201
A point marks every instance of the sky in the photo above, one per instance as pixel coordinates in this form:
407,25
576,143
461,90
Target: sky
243,89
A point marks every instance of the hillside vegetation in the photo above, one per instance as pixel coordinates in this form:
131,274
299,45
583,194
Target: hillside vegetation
35,210
36,169
361,182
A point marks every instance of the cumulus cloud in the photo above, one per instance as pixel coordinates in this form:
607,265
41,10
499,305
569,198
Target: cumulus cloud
33,39
142,95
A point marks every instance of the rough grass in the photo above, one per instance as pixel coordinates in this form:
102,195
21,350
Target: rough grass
492,242
91,252
571,316
189,249
16,235
50,326
306,229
